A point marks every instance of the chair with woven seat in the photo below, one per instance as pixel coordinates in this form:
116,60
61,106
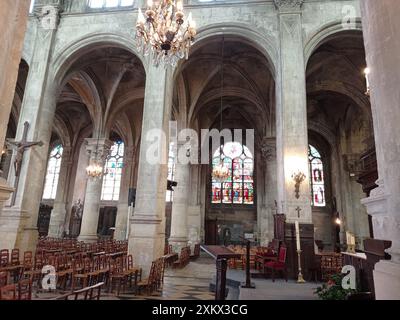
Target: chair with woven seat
8,292
4,258
25,289
278,265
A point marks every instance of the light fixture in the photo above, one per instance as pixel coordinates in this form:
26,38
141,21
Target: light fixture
95,169
164,32
221,172
298,178
338,221
367,71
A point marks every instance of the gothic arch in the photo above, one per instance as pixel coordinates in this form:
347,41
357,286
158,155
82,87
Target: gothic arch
245,33
68,54
325,33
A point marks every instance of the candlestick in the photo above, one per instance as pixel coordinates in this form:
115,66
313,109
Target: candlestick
300,278
297,234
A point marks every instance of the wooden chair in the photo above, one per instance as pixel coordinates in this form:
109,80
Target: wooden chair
3,279
278,265
149,282
81,275
117,275
4,258
15,257
196,252
8,292
25,289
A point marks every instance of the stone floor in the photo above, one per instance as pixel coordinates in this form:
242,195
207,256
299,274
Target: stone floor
193,283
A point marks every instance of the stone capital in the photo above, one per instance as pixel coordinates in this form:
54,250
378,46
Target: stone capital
98,149
268,148
48,15
288,5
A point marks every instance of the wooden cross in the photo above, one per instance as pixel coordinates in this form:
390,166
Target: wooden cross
298,209
20,148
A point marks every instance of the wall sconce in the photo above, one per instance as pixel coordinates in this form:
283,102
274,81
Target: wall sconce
298,178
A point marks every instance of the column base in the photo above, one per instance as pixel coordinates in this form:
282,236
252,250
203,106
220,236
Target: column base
56,229
13,232
90,238
387,280
146,242
5,191
178,243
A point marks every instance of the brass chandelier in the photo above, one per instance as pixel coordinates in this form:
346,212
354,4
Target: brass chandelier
164,32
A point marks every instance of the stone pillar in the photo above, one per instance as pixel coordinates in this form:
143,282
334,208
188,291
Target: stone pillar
18,224
382,43
13,22
147,232
98,150
179,215
122,220
194,209
59,212
291,113
268,209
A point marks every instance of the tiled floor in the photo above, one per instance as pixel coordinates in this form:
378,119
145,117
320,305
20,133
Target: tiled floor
193,282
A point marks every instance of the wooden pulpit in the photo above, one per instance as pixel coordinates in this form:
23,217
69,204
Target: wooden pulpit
221,254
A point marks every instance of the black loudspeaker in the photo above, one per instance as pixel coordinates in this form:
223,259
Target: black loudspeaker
132,197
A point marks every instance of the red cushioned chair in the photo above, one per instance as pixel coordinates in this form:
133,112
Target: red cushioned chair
278,265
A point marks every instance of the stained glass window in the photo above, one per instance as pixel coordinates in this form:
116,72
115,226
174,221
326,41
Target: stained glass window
53,173
238,187
113,167
317,177
171,172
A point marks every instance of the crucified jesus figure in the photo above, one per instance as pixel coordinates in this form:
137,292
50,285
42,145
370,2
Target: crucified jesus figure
20,148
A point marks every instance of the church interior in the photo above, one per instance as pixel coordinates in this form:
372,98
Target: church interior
199,150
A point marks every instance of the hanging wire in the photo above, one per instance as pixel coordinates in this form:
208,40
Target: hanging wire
222,91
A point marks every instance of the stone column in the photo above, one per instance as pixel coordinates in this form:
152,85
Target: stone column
122,220
382,43
18,224
266,219
59,212
13,22
179,215
98,150
291,113
147,232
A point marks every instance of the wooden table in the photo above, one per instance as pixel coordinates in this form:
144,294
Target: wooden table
221,254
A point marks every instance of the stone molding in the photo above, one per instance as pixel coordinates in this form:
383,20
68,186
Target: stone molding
288,5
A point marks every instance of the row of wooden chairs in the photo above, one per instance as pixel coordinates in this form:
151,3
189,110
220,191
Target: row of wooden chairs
240,263
155,279
54,245
20,291
184,258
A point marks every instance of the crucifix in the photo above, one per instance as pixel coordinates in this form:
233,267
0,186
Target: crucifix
20,147
298,209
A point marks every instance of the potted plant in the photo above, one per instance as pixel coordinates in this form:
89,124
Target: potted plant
333,290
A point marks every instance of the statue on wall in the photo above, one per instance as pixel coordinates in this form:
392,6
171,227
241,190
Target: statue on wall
76,213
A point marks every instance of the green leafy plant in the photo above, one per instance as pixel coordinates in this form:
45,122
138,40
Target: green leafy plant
333,290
